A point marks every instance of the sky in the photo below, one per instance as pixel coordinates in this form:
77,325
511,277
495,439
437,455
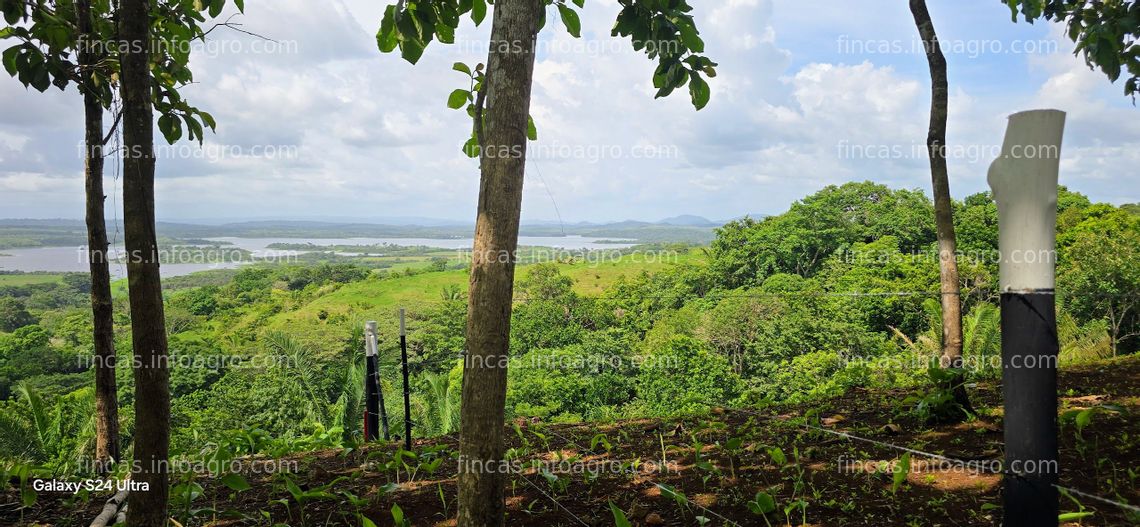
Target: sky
318,124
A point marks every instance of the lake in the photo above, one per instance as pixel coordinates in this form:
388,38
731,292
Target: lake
74,259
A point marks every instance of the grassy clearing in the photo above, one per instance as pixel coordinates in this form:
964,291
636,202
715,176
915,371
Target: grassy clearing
323,318
29,279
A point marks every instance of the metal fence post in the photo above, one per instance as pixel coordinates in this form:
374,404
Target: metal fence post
373,393
407,389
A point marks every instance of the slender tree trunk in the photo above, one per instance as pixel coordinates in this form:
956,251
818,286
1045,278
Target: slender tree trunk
1115,329
510,69
106,392
148,327
943,208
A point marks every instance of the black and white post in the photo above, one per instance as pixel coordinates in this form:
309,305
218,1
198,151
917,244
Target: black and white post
371,384
407,389
1024,184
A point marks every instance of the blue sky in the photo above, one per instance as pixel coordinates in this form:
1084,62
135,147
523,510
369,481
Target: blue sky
321,124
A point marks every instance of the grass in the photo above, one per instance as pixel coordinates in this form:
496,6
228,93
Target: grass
30,279
591,278
322,319
381,299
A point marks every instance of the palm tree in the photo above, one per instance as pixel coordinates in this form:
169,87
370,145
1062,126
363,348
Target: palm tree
61,434
981,337
439,405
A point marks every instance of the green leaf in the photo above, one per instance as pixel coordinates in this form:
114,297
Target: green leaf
619,517
293,489
411,50
40,79
1084,417
671,492
1013,10
478,11
193,128
689,36
398,515
216,7
27,496
12,12
386,37
240,5
235,482
170,127
471,147
531,129
458,99
445,33
900,473
208,120
762,504
1070,516
777,456
9,59
459,66
699,91
571,20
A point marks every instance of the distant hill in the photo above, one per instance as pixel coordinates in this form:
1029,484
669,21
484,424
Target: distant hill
689,220
61,232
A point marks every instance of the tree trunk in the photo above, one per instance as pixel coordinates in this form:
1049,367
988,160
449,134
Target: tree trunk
148,327
943,208
106,392
509,74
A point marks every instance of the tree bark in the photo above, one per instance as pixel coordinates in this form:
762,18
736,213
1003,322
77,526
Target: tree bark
943,208
148,327
510,70
106,391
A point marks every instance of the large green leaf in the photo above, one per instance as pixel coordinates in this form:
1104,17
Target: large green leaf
571,20
458,99
619,517
478,11
699,90
235,482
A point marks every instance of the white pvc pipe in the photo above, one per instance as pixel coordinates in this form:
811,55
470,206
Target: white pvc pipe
370,338
1024,184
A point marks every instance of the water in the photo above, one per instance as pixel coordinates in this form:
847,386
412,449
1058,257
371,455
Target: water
564,242
74,259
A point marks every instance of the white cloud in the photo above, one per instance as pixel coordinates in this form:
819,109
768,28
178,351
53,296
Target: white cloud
371,136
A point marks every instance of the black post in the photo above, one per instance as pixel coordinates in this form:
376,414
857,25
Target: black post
1029,380
372,410
407,390
371,387
373,392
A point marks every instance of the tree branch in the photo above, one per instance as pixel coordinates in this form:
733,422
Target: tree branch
236,27
480,99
